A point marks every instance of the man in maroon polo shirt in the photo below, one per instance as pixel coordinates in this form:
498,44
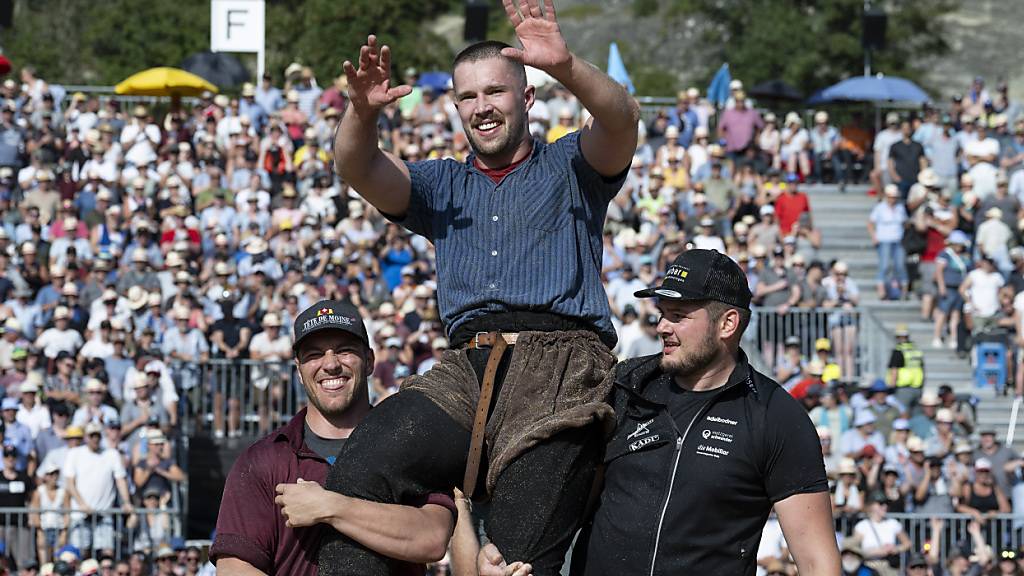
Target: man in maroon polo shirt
274,512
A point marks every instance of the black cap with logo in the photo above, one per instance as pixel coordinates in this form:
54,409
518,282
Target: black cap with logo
702,275
329,315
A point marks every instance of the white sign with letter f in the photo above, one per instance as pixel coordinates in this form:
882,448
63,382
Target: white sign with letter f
238,26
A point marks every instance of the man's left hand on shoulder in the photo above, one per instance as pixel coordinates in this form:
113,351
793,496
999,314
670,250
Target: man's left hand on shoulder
302,503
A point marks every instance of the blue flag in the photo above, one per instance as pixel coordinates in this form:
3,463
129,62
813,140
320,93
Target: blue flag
616,68
718,91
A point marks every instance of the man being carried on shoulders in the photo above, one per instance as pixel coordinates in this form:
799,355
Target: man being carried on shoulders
517,231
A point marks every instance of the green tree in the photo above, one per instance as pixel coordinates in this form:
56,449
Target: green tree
812,43
324,33
75,42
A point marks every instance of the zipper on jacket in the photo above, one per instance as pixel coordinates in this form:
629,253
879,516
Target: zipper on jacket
672,482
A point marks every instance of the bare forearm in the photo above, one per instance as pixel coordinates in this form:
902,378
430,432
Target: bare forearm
806,521
400,532
236,567
465,544
355,143
122,489
607,101
376,175
73,492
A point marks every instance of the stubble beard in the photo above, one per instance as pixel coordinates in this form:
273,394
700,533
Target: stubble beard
340,406
692,361
513,136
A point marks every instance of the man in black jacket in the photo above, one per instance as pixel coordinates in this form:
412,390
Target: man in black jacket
704,447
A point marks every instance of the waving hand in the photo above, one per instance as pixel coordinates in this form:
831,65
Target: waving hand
538,31
369,86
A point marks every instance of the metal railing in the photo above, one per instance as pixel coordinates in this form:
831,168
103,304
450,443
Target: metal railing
236,397
860,344
1002,531
35,533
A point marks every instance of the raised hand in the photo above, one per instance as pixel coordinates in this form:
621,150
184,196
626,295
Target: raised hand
538,32
369,86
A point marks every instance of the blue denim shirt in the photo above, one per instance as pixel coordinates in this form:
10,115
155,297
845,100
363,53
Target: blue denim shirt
529,243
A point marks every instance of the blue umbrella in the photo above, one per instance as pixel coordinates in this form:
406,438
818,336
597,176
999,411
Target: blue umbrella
718,91
617,69
872,89
436,80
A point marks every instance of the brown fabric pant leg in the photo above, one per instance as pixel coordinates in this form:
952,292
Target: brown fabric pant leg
544,439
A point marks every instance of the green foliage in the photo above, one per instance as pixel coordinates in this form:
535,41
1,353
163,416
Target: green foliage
75,42
813,43
653,81
324,33
579,11
644,8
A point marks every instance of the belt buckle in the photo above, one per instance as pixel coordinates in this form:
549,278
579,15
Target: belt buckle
476,339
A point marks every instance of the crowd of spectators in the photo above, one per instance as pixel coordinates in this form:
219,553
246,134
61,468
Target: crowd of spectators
137,249
952,229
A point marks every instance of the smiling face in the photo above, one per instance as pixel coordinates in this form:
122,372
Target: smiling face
334,366
492,102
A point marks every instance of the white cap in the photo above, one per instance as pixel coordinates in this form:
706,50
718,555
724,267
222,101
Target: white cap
139,255
863,418
847,466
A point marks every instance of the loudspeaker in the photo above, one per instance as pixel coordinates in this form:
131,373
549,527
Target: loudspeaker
6,13
874,24
476,20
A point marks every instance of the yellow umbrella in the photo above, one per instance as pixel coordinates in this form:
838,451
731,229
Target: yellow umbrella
164,81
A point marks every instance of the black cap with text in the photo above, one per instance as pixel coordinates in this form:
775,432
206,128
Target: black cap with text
702,275
329,315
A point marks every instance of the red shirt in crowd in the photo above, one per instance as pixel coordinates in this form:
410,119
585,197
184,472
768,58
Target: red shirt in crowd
935,242
250,526
788,208
803,387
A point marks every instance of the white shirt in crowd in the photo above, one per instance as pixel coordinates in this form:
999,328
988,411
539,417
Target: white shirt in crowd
888,221
36,418
984,292
95,475
54,341
875,535
97,348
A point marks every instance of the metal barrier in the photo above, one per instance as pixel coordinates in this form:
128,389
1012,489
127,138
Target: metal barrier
35,533
1002,531
860,344
236,397
106,93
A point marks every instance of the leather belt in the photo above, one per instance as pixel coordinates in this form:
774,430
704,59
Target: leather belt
498,342
490,339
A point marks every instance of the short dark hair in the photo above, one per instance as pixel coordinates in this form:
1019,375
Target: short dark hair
486,50
716,309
